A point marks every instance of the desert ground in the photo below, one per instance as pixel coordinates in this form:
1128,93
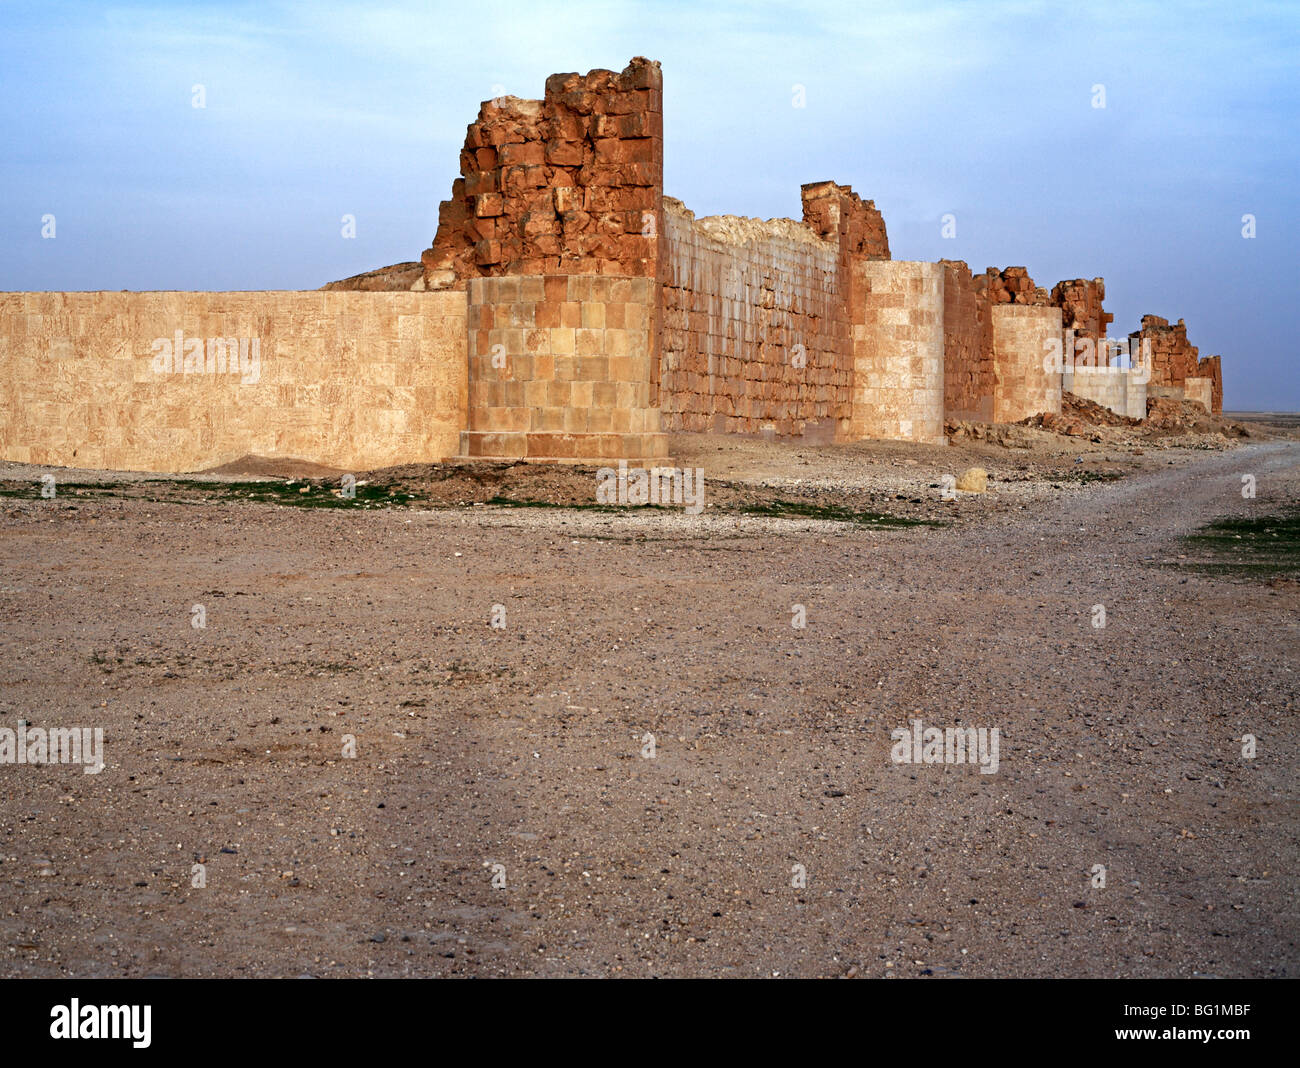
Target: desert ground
504,813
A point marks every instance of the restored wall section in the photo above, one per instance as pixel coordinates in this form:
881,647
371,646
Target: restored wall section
1023,386
1122,391
1200,390
755,338
898,352
353,380
560,369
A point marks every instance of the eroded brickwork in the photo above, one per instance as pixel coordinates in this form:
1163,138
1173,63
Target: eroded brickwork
1080,301
968,376
755,338
835,213
1173,358
1012,286
570,184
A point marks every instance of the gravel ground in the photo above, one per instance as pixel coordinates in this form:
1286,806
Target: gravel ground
522,746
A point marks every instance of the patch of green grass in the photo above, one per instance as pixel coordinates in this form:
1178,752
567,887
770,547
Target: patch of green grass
1256,547
316,495
32,490
833,512
1085,477
515,502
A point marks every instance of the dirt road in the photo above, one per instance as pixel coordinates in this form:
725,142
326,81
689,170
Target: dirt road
519,753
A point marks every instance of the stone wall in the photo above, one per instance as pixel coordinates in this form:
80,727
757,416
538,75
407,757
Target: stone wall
353,380
1173,358
755,339
560,368
1012,286
1122,391
1080,302
968,377
1200,390
570,184
898,351
835,213
1022,335
1211,367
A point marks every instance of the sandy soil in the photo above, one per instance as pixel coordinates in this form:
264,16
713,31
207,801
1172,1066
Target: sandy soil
522,746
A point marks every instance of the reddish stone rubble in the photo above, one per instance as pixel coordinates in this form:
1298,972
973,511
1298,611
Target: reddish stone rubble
570,184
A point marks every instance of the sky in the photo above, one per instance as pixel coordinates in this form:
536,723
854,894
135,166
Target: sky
984,111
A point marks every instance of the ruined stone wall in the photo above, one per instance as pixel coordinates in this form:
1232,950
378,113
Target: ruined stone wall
835,213
898,351
756,316
560,369
348,379
755,338
570,184
1080,302
1012,286
1211,367
1023,385
968,378
1173,358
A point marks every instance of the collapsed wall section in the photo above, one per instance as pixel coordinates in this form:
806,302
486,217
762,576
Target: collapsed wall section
1175,361
898,351
1080,301
1173,358
570,184
183,381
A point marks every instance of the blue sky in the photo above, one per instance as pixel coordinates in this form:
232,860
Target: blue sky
983,110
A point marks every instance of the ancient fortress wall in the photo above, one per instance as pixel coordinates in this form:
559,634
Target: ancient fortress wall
353,380
1174,360
967,346
1122,391
1023,336
898,352
560,368
755,336
567,311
